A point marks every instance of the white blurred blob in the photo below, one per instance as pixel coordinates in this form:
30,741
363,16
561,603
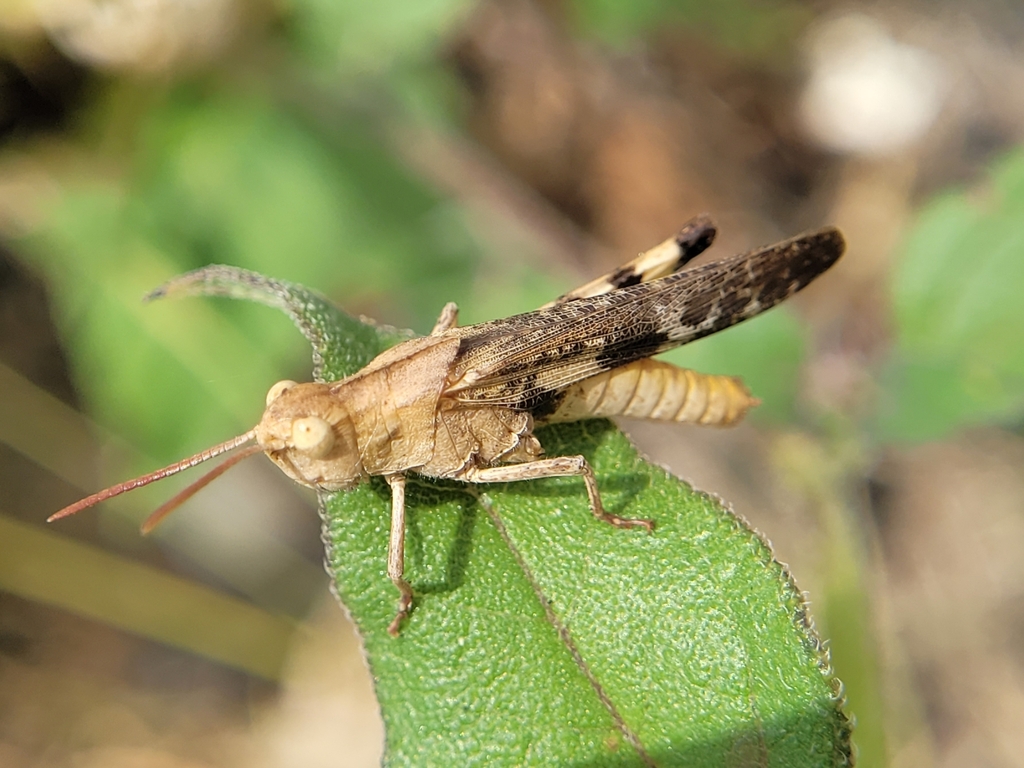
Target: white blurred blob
142,35
867,93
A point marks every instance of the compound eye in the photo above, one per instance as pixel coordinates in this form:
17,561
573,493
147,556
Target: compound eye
279,389
312,436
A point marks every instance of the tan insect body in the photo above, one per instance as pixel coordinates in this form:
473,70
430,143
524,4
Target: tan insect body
462,403
651,389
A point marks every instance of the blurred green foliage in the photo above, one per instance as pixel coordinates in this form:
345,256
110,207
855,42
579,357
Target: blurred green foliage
255,167
218,177
355,38
754,30
957,359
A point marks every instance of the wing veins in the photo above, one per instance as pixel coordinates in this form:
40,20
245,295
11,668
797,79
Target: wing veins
518,359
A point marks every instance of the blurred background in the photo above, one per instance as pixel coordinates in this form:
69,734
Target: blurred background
400,154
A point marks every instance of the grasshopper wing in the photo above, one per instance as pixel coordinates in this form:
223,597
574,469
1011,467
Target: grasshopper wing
525,361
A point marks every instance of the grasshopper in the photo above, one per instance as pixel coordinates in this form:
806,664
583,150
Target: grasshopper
463,402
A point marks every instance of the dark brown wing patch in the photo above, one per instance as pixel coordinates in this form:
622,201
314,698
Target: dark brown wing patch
522,361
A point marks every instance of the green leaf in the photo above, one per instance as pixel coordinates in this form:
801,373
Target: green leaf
956,293
543,636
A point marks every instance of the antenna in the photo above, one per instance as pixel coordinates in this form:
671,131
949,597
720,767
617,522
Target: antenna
167,507
160,474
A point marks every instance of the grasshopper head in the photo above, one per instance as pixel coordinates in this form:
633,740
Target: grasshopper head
307,432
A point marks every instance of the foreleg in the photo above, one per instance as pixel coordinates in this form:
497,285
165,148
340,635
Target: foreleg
396,552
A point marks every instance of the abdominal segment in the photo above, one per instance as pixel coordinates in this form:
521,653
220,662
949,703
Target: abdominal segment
651,389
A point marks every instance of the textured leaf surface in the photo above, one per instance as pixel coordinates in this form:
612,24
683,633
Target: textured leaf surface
542,636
